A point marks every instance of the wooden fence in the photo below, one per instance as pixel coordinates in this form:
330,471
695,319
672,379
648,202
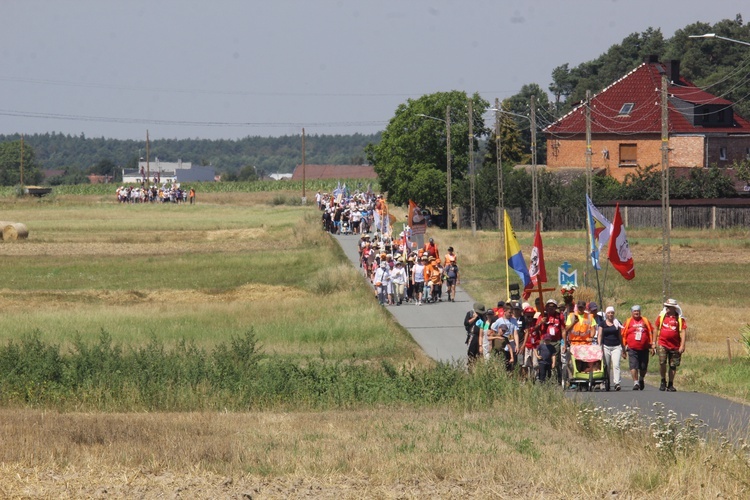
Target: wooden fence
557,219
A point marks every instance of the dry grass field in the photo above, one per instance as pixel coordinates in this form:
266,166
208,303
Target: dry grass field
207,272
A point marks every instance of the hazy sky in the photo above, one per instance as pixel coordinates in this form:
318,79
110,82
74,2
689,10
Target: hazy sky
230,69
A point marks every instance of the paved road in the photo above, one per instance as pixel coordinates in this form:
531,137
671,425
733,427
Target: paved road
438,329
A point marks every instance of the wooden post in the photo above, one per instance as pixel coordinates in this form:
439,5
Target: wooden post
713,217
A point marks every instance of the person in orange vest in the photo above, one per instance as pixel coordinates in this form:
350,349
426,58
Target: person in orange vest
431,249
580,327
671,329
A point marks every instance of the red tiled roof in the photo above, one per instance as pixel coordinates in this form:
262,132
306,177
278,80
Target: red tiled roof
642,87
335,172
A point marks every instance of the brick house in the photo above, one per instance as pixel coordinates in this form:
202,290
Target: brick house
626,126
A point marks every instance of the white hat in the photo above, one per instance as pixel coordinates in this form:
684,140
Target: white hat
671,303
609,309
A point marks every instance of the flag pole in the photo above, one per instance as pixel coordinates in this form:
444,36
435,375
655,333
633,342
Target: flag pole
505,238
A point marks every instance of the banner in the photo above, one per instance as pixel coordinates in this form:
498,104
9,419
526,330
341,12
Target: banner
513,253
417,222
619,250
537,271
599,229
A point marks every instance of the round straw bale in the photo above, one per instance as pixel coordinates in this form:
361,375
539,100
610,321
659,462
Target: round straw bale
14,231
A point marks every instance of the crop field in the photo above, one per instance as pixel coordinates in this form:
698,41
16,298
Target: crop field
228,348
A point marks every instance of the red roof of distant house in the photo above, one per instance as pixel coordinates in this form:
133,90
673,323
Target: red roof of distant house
335,172
642,88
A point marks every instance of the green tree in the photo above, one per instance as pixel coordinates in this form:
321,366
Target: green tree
520,104
247,173
410,158
512,153
10,164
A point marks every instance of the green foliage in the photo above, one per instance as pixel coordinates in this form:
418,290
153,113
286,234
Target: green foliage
411,158
234,376
265,154
10,164
645,184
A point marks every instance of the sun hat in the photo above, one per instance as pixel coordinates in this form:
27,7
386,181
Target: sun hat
671,303
479,308
552,301
609,309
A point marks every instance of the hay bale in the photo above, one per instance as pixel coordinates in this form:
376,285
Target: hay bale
15,231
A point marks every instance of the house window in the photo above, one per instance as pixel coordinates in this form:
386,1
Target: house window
722,153
628,155
626,108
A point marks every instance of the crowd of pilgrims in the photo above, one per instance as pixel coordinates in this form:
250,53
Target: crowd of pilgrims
519,334
166,193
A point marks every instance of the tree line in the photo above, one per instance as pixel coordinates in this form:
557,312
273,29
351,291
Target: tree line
78,156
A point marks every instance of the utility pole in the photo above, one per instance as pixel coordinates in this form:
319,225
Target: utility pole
449,208
534,183
471,171
21,160
499,149
303,167
666,219
589,190
148,169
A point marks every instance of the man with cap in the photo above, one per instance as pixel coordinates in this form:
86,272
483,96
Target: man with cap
551,326
671,329
529,335
505,331
382,282
398,280
451,278
636,340
477,325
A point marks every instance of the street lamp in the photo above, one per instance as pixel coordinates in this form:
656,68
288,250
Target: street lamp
447,121
714,35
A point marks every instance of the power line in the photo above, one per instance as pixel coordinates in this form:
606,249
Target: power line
185,123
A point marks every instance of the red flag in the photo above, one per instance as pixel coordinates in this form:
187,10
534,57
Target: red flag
619,250
536,265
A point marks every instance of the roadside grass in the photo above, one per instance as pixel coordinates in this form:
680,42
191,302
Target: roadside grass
248,359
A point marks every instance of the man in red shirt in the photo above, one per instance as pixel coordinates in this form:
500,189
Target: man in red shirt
551,326
636,341
670,340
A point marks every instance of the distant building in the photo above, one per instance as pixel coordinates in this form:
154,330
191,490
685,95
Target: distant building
162,171
280,177
335,172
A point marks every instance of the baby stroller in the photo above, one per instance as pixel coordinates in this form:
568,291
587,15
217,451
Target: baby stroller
587,368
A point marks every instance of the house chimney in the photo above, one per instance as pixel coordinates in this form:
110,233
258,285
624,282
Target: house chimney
650,59
673,70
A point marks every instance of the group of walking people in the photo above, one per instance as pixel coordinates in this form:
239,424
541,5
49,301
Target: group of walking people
540,339
167,193
401,274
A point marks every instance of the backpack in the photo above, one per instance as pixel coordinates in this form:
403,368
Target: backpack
468,324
